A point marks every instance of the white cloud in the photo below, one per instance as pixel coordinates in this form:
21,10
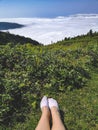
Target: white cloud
47,30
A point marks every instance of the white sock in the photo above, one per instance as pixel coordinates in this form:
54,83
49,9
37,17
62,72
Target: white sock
52,103
44,102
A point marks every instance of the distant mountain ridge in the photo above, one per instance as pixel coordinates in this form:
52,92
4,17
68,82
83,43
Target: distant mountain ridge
85,15
8,25
6,37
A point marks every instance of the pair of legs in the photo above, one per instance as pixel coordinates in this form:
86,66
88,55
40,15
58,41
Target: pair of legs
50,110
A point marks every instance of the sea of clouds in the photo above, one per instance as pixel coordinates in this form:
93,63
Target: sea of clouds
49,30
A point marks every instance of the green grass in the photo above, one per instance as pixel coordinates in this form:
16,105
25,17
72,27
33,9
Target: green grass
56,71
79,108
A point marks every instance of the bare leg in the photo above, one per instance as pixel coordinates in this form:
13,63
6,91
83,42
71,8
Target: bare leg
56,120
44,123
57,123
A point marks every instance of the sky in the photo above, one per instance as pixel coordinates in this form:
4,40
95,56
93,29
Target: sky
46,8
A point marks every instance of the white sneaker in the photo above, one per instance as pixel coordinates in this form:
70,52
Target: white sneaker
44,102
52,103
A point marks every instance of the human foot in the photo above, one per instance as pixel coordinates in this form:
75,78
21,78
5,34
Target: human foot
53,103
54,108
44,102
45,106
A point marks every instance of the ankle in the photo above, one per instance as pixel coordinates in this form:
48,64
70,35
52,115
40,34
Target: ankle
46,111
54,111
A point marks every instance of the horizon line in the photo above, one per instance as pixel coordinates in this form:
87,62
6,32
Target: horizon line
59,16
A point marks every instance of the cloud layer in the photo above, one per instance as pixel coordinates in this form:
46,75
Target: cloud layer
49,30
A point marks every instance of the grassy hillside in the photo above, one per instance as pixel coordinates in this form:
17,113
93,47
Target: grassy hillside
66,71
6,37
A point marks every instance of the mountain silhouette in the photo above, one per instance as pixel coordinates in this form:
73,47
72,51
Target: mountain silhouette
6,37
8,25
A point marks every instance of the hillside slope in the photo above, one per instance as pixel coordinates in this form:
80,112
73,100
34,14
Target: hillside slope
6,37
66,71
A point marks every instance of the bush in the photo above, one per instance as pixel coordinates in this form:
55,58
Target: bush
27,72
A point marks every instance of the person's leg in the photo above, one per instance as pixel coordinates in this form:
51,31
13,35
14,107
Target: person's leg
56,120
44,123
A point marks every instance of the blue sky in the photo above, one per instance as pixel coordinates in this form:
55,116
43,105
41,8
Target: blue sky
46,8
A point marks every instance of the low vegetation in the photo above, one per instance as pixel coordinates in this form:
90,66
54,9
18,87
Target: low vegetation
66,71
6,37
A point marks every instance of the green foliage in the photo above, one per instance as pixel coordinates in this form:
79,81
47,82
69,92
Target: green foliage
63,70
6,37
